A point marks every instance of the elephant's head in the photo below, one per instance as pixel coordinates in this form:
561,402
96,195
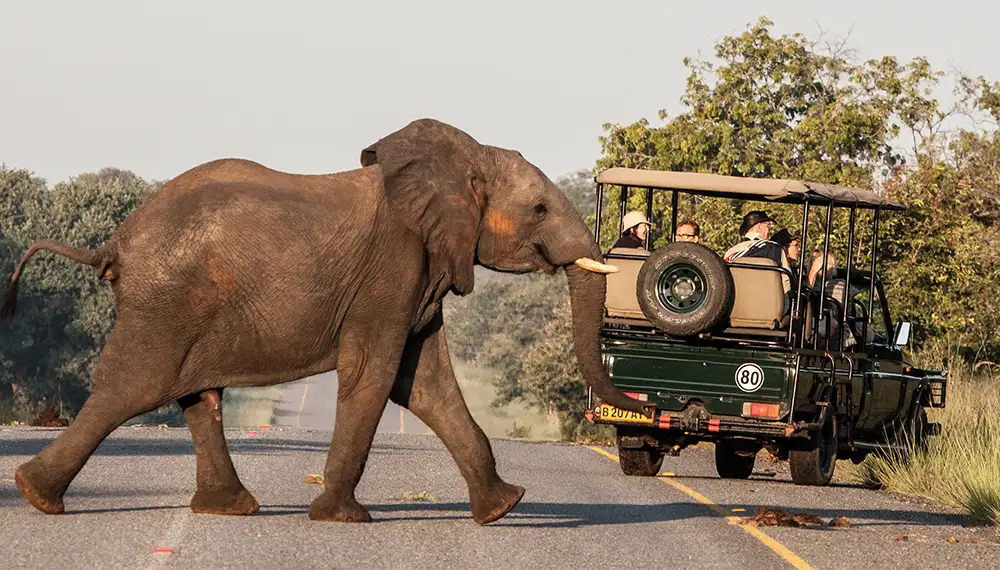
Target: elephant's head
478,204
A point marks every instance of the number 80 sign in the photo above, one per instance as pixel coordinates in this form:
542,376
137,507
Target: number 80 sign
749,377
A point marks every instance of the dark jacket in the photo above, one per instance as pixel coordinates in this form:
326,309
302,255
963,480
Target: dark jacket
629,239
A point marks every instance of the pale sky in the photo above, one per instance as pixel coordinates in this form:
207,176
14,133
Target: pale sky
159,87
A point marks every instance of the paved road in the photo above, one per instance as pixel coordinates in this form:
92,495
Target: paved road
579,511
312,403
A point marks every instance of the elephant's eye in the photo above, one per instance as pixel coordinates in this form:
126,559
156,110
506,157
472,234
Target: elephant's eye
540,209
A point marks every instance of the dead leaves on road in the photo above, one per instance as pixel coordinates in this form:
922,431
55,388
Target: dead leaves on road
840,522
422,497
408,497
773,517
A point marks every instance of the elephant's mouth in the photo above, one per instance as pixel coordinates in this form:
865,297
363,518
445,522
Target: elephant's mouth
526,259
532,257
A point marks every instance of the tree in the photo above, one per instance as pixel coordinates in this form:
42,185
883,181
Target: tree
941,254
64,313
777,107
550,375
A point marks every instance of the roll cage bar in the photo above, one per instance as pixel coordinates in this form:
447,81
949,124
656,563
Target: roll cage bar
779,191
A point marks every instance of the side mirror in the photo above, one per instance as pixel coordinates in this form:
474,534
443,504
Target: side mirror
902,334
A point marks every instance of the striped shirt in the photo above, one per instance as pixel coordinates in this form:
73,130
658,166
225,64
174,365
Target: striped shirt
757,247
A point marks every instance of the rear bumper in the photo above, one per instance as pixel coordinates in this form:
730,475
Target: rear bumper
700,424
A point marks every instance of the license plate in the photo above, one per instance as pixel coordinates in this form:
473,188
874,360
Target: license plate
609,413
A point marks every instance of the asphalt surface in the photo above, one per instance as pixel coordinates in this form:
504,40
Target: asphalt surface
312,403
579,511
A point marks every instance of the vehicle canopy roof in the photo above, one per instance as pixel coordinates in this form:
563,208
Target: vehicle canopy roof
774,189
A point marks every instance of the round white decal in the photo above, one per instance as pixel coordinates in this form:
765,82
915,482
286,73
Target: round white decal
749,377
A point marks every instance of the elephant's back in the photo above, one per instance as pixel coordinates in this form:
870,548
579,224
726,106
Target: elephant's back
241,222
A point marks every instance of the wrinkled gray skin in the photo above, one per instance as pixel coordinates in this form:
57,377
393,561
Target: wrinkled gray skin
238,275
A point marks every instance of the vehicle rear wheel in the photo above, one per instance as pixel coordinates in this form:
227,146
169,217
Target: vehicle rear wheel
815,464
732,462
685,289
640,462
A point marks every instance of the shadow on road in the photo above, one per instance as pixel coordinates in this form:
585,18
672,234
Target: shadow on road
755,478
573,515
10,497
237,445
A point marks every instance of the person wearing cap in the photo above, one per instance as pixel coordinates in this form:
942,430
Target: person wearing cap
636,227
755,229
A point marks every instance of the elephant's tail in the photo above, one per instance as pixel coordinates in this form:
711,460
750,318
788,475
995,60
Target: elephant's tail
99,259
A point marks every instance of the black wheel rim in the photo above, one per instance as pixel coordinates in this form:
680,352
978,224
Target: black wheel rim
682,288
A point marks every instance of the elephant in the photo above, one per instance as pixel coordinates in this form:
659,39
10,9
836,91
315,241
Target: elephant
237,275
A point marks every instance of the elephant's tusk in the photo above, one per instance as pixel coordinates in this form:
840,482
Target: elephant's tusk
595,266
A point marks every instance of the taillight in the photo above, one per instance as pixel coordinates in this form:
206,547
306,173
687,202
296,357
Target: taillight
754,410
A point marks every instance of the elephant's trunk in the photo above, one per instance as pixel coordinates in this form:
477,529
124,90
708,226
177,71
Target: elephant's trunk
587,290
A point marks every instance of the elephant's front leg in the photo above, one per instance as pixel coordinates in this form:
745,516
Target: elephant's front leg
365,373
426,385
219,491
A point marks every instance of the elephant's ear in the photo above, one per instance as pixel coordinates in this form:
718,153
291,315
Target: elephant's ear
433,183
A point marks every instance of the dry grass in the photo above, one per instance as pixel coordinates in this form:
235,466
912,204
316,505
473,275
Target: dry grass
14,413
961,466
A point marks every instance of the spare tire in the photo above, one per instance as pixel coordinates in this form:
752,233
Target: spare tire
685,289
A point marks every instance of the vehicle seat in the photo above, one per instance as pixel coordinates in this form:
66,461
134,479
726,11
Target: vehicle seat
808,314
620,298
760,297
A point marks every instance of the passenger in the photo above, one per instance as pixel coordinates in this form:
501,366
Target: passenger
636,228
688,231
815,272
792,250
835,290
789,243
755,229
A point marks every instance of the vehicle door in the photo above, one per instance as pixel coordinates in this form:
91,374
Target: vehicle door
885,385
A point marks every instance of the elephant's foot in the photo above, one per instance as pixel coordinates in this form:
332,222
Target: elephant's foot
31,485
326,507
496,503
237,501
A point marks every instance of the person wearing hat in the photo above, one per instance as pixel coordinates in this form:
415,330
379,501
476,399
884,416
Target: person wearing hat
755,229
636,227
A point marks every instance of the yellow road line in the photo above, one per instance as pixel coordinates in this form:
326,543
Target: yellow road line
778,548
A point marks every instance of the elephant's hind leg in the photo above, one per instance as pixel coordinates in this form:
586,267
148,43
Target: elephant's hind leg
219,490
44,479
130,379
426,385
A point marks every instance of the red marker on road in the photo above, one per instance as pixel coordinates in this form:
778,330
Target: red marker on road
163,551
251,432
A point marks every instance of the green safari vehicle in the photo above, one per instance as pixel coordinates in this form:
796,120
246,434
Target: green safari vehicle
723,354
